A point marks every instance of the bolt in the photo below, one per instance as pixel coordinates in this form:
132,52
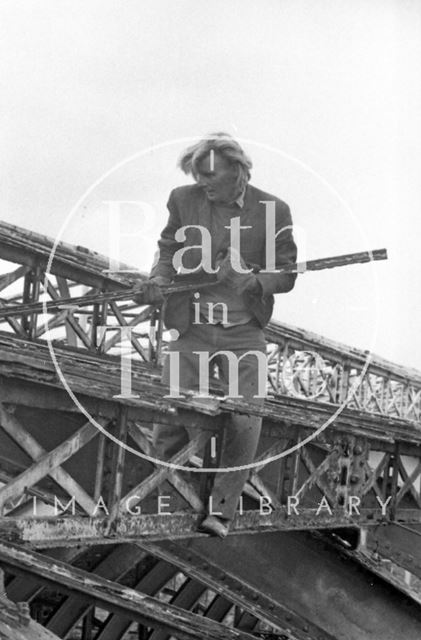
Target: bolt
358,449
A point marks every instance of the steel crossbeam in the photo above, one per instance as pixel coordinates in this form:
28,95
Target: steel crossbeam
117,598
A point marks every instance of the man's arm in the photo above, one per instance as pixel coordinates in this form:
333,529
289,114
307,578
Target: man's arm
167,245
285,253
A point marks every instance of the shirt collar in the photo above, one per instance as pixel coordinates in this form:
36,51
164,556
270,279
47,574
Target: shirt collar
240,199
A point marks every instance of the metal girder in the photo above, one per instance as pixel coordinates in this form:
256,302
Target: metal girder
312,579
114,597
113,567
55,532
116,625
16,622
19,627
199,565
186,597
25,588
398,542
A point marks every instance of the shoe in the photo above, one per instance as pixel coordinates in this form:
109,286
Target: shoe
215,526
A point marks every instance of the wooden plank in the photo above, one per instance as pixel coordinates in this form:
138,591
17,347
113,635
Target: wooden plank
117,598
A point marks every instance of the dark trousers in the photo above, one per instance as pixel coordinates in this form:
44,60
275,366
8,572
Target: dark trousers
241,431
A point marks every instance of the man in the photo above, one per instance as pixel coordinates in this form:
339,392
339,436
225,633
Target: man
220,225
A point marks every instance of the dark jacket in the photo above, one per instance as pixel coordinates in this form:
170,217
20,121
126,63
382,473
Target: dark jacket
189,205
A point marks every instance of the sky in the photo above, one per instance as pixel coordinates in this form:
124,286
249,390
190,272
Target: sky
98,99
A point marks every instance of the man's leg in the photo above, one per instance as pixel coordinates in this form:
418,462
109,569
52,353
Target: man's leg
241,432
169,438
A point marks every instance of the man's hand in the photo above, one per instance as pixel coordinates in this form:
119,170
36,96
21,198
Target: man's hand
150,291
236,279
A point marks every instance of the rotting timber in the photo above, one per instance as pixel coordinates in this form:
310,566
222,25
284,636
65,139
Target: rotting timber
81,537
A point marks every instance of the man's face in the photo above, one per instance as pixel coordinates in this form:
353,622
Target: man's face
218,178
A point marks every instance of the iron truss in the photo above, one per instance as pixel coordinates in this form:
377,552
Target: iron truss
101,540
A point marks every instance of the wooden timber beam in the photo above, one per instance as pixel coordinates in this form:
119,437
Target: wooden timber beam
114,597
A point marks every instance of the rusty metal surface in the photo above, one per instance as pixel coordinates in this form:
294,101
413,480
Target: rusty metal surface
297,585
117,598
313,580
398,542
200,565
